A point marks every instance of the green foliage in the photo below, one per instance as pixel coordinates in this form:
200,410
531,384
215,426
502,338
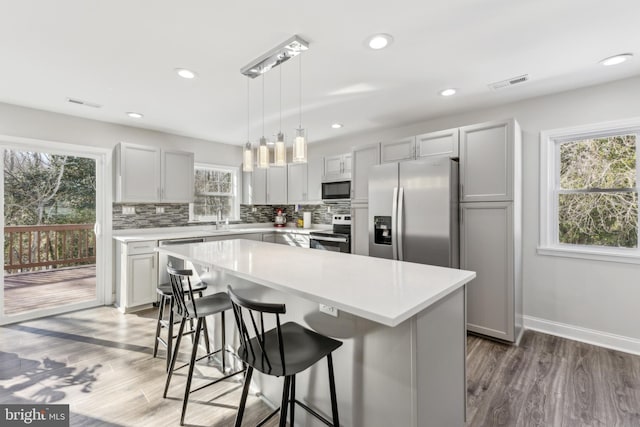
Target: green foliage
45,188
591,217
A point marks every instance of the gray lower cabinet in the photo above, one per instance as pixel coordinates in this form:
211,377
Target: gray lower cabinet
136,274
360,229
247,236
292,239
490,247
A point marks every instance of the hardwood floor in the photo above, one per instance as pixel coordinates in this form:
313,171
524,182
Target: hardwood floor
551,381
99,361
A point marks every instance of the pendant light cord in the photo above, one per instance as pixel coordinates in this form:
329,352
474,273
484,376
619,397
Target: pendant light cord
300,90
263,105
248,113
280,130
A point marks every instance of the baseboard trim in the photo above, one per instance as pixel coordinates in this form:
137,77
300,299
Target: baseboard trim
589,336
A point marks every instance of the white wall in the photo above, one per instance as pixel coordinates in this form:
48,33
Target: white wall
38,124
597,295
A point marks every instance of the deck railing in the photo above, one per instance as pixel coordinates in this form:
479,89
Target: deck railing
40,247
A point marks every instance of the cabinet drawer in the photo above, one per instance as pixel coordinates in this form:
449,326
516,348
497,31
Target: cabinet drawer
145,247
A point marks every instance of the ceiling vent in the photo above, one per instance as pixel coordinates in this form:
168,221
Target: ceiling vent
85,103
509,82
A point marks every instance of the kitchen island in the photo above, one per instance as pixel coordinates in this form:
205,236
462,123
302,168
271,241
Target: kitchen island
402,324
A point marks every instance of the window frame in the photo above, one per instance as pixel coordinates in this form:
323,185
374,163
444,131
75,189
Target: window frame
550,142
235,197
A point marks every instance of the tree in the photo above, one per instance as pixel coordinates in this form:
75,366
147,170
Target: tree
600,204
43,188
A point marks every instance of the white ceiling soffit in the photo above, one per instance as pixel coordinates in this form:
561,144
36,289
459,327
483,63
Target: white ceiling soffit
122,55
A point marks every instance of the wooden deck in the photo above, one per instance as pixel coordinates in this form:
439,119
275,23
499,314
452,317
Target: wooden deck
48,288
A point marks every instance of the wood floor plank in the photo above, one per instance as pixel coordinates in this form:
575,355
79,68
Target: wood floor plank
99,361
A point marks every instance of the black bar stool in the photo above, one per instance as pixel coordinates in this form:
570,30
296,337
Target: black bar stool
188,308
166,297
282,351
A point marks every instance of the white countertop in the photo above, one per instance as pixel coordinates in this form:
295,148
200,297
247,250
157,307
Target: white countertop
190,232
380,290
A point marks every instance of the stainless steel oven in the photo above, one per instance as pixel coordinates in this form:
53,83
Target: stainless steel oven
330,242
336,240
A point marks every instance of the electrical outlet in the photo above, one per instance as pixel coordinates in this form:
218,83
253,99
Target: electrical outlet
128,210
159,209
329,209
254,209
327,309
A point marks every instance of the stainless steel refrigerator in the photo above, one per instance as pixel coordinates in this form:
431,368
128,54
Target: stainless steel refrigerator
413,212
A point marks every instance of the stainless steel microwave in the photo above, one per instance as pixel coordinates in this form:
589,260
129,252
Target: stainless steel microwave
337,190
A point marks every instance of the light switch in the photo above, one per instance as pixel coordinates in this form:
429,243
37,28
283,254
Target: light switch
128,210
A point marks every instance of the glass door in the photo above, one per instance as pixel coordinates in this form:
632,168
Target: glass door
51,232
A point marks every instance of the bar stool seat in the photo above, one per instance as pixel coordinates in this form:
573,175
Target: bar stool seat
283,351
166,297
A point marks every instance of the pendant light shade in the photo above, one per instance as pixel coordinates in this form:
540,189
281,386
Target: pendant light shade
247,158
300,147
280,151
263,154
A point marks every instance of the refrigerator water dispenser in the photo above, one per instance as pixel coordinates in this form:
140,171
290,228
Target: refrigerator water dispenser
382,230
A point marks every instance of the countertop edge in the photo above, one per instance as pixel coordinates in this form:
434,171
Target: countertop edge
368,315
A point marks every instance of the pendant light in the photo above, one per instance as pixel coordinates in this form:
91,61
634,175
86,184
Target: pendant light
263,150
247,164
300,141
280,151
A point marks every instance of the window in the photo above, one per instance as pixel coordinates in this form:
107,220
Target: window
216,190
589,192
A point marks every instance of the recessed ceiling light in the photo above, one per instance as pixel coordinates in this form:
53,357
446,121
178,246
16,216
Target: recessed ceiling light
448,92
379,41
336,125
135,115
185,74
615,60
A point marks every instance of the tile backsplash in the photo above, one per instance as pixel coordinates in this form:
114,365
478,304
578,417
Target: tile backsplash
320,214
177,214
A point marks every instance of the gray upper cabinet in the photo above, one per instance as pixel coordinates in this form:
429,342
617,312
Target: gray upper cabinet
486,161
258,186
314,178
399,150
337,168
277,186
297,183
491,296
177,176
267,186
442,143
438,144
362,160
151,175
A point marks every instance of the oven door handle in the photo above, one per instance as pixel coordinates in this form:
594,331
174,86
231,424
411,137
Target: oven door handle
329,239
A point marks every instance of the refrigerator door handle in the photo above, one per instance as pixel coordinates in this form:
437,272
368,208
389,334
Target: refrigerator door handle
400,224
394,223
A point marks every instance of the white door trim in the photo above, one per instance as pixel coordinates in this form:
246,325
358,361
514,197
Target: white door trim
104,200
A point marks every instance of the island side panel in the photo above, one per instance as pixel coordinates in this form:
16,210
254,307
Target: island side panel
441,363
372,368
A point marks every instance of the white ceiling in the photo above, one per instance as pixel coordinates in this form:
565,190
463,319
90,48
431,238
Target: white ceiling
122,54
